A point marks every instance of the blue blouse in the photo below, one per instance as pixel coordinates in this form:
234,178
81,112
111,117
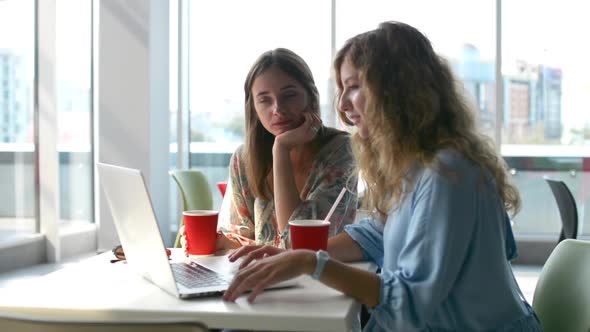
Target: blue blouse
443,255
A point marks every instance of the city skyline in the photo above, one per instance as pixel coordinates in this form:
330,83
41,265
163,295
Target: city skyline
477,75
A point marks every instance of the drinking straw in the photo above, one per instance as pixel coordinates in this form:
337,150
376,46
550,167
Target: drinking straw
335,204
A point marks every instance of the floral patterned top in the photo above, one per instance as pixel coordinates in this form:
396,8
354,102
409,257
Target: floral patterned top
255,218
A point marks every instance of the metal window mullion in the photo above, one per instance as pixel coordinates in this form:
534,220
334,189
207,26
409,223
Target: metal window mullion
96,202
93,119
499,79
183,112
331,115
47,159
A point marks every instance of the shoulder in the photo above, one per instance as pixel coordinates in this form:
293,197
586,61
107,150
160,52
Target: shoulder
450,159
335,151
238,157
335,141
239,150
447,186
450,166
335,136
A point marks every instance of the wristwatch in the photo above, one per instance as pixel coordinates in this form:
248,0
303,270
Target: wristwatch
322,258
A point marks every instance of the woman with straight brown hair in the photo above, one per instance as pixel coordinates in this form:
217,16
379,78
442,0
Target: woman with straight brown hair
291,165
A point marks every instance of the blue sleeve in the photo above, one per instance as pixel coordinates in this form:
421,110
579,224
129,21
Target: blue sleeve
441,223
368,233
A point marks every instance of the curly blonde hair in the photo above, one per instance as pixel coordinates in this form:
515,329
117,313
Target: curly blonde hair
413,109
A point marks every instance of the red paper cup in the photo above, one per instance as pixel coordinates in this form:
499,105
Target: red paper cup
309,234
200,229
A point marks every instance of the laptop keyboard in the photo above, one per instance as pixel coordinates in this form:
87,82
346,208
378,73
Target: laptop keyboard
193,275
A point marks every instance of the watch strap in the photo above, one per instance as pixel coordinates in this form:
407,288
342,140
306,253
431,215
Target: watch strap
322,258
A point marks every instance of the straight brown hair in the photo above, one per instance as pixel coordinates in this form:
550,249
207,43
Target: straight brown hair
259,142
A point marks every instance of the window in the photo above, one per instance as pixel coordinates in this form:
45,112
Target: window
546,86
46,56
17,157
545,79
223,45
467,42
544,127
541,127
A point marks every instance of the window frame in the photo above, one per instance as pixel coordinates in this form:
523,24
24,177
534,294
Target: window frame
51,241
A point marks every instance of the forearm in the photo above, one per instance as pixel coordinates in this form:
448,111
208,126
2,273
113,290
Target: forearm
286,196
343,248
361,285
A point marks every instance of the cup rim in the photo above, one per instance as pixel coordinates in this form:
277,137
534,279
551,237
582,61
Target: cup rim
317,223
200,213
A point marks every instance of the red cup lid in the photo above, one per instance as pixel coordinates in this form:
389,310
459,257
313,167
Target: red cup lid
309,222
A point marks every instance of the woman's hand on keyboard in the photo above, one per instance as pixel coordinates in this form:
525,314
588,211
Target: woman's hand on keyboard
253,252
269,271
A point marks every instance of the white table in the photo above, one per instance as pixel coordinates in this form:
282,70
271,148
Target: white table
95,289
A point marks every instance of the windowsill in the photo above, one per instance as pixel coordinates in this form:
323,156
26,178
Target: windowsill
20,240
75,227
26,274
76,238
535,249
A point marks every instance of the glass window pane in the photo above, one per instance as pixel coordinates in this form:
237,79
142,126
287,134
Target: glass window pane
17,150
467,41
73,72
546,74
546,77
223,45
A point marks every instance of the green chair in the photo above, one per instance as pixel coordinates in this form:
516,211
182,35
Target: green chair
562,294
194,191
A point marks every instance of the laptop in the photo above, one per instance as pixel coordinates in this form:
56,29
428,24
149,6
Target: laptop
136,224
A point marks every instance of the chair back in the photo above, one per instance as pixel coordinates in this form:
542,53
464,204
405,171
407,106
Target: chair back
224,220
567,208
562,294
194,191
22,323
222,185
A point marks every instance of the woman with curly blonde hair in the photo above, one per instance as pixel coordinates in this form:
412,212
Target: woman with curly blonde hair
439,192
